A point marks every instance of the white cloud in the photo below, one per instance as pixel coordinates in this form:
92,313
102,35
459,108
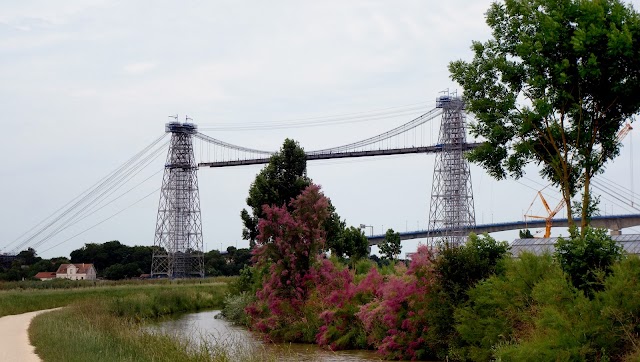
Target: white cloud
139,68
83,93
47,11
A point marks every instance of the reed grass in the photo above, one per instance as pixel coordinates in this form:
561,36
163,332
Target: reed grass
18,301
74,284
110,329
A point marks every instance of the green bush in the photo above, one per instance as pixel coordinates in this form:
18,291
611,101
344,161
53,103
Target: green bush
588,258
619,306
458,269
500,309
234,308
534,313
564,326
362,266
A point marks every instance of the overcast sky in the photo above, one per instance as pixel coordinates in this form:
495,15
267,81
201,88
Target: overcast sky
85,85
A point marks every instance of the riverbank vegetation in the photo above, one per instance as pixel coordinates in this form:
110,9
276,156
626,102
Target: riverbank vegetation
110,328
575,65
474,302
35,295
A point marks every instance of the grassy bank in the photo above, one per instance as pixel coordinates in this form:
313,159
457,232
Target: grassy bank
22,300
74,284
107,325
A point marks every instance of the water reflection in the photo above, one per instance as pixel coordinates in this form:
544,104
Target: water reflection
203,326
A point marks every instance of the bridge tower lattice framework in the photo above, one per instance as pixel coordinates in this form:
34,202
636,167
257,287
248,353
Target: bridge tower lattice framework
178,243
452,208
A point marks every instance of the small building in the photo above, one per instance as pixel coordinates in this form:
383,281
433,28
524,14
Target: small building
46,275
76,272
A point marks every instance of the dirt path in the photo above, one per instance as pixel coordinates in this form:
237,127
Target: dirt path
14,337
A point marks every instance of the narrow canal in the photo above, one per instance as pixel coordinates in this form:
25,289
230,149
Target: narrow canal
203,327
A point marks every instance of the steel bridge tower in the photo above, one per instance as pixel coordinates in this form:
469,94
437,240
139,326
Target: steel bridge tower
451,209
178,244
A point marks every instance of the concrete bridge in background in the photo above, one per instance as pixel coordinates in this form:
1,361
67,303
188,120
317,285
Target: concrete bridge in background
615,223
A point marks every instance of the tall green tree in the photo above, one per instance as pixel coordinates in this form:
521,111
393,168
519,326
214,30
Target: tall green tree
279,182
353,244
282,179
553,86
28,257
390,246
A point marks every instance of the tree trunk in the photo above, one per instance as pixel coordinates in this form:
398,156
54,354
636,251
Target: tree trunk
586,202
566,195
566,190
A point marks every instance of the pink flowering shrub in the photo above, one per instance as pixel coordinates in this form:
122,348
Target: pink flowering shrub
384,313
341,328
395,320
288,247
305,297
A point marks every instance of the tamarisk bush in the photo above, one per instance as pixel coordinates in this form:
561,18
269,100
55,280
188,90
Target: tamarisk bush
288,245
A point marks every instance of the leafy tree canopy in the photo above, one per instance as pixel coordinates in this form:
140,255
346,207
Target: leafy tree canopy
525,234
27,264
108,254
28,257
281,181
390,247
553,86
229,263
353,243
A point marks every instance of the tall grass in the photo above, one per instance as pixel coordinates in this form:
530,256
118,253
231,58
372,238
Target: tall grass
141,306
18,301
109,330
74,284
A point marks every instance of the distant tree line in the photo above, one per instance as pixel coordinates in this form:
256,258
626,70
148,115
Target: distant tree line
114,260
27,264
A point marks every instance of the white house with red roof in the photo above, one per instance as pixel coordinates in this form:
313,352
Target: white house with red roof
76,271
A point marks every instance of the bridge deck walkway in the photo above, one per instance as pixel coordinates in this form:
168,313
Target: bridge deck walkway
615,223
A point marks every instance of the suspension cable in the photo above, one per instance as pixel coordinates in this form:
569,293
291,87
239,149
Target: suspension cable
104,194
424,118
353,117
103,221
81,198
